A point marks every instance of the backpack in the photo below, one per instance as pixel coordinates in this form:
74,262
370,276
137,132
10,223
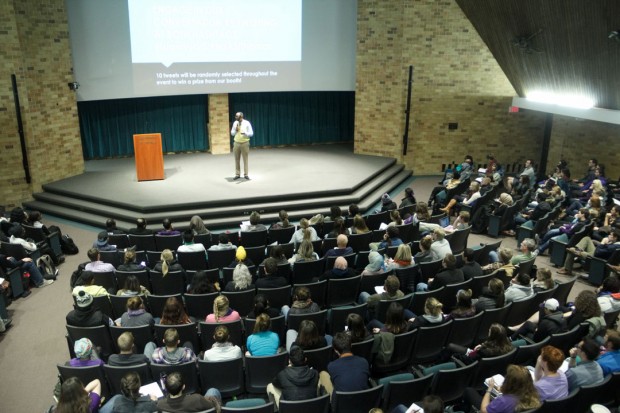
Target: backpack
68,245
47,268
76,276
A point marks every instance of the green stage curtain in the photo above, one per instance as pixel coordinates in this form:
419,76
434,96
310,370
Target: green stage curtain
108,126
290,118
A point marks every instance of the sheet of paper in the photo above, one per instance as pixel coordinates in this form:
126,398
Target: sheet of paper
151,389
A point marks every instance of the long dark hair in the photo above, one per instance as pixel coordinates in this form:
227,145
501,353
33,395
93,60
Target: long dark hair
395,321
73,397
308,335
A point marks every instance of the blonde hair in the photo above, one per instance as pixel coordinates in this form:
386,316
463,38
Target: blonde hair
166,259
403,253
432,306
306,250
220,307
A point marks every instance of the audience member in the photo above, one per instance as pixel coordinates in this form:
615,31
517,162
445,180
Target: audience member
102,242
391,291
140,228
492,296
223,243
222,313
136,315
375,264
177,401
587,371
550,382
341,248
356,328
132,287
242,280
197,226
464,306
391,238
610,359
519,289
25,265
551,322
188,243
84,315
261,305
74,397
127,357
432,315
402,258
302,303
95,264
295,382
527,248
130,399
202,283
470,267
168,263
88,279
272,278
609,294
359,225
129,262
222,348
341,270
298,236
85,354
170,353
307,337
425,254
241,257
348,372
262,342
409,199
305,252
168,228
111,228
449,275
174,312
440,246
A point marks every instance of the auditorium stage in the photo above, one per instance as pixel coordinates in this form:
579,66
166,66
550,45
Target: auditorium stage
302,179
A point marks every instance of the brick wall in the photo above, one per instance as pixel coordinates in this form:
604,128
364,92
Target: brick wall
219,125
34,45
456,80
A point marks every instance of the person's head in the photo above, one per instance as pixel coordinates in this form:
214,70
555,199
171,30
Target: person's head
34,216
173,312
518,382
356,327
304,223
421,211
223,238
505,255
166,256
496,288
129,256
18,215
93,254
341,343
375,261
386,199
83,348
306,250
392,232
583,214
354,209
302,294
263,322
528,245
283,215
522,279
551,305
335,212
409,193
611,284
141,223
394,317
239,116
130,385
341,263
221,334
135,304
505,199
308,333
88,277
600,170
277,252
468,255
543,275
306,234
432,306
456,174
241,254
426,242
403,253
220,307
449,261
125,342
167,224
171,338
474,187
613,237
174,383
612,340
391,285
197,225
552,358
296,356
242,278
254,218
261,304
588,349
464,216
188,236
525,180
132,284
73,397
432,404
102,239
83,300
497,335
342,241
439,234
463,299
395,217
359,223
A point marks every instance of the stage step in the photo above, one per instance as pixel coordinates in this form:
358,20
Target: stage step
219,215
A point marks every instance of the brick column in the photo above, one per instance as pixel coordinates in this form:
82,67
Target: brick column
219,126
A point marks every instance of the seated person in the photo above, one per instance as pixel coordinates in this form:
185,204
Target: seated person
262,342
341,270
75,397
111,228
222,313
519,289
168,263
300,234
271,279
550,382
402,258
503,262
241,257
171,353
132,288
464,307
127,357
341,247
409,198
136,314
168,229
129,262
609,294
386,203
262,305
188,243
552,322
295,382
355,327
471,196
432,316
255,224
391,238
348,372
25,265
242,280
610,359
430,404
95,264
178,401
130,399
197,226
586,247
425,254
496,344
88,280
470,267
527,248
85,354
302,303
440,246
449,275
174,313
140,228
102,242
492,296
305,252
391,291
375,264
581,219
588,371
339,228
222,348
308,337
84,315
223,244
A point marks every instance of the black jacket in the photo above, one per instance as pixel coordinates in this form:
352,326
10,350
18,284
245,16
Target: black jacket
297,383
550,324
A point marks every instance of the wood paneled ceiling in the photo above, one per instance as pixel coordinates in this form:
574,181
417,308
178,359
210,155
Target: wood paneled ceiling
559,46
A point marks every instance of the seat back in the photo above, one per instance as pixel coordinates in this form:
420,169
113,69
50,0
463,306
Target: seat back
401,355
463,330
253,238
241,301
281,235
306,271
256,254
566,341
374,221
408,277
449,385
563,290
172,283
430,342
599,393
119,304
226,376
318,291
112,257
319,318
448,296
192,260
142,242
478,283
520,311
120,240
419,299
317,405
102,303
429,269
199,305
220,258
141,336
481,256
100,337
382,306
364,349
277,296
559,405
458,240
406,232
369,282
168,242
405,392
156,303
235,332
86,375
525,267
319,358
142,276
106,279
259,371
343,291
188,371
338,316
496,315
263,408
357,401
490,366
359,242
114,375
187,333
288,248
526,355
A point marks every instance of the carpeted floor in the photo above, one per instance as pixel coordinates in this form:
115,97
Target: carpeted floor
35,343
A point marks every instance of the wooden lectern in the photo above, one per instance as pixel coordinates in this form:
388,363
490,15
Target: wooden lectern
149,156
